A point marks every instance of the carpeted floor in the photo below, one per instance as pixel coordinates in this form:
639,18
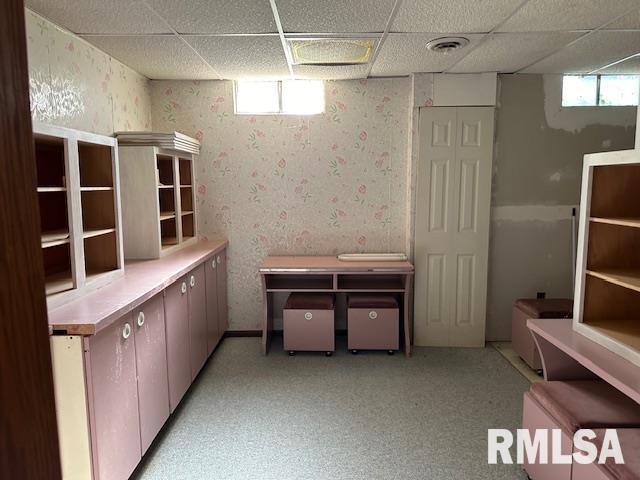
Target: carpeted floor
369,416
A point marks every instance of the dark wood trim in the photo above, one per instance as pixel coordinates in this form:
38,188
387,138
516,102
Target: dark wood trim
28,434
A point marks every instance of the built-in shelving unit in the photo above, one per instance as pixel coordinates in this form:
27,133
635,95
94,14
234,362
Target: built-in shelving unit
79,210
608,275
158,200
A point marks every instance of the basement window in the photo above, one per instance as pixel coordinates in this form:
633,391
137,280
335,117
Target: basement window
284,97
600,90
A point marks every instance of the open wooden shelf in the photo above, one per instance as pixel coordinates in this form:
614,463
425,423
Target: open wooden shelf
57,268
96,189
165,170
53,238
186,199
167,215
95,165
97,232
100,253
58,282
51,189
614,191
166,186
50,162
370,283
623,222
299,282
623,278
626,331
187,212
169,241
184,169
98,210
187,225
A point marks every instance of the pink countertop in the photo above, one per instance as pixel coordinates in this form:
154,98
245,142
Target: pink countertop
611,367
304,263
142,279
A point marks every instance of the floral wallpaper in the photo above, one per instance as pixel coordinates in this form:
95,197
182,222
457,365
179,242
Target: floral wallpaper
75,85
322,184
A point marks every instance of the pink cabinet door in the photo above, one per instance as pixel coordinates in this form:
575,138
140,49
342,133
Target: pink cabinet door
113,400
197,319
151,363
211,271
223,313
176,315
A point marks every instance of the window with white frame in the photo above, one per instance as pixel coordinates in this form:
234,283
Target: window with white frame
287,97
600,90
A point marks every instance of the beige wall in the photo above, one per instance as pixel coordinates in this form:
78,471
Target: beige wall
73,84
536,181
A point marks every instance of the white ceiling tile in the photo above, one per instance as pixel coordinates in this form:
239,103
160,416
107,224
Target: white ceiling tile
243,57
629,21
402,54
156,57
452,15
217,16
509,52
557,15
100,16
628,67
329,16
337,72
590,53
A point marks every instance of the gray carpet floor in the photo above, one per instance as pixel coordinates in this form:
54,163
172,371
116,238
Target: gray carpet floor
368,416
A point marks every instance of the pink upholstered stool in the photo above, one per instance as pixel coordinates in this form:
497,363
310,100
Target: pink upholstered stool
308,323
630,469
526,308
570,406
372,323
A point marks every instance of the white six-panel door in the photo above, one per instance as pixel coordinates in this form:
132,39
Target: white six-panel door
453,201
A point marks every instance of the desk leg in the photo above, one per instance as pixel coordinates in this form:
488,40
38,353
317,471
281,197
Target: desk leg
405,309
267,317
557,365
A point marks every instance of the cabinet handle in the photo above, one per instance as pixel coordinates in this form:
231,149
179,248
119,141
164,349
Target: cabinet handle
213,263
373,314
218,259
126,330
140,319
308,316
183,288
192,281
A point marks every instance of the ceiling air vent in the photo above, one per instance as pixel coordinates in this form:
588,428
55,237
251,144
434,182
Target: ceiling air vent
447,44
331,51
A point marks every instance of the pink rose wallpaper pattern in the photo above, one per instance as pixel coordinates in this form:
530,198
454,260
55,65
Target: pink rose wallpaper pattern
283,185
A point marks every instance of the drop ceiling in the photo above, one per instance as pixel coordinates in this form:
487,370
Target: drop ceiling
234,39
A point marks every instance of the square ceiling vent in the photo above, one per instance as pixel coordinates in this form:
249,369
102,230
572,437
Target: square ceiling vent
331,51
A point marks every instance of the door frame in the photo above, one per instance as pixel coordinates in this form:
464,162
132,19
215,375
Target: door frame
29,437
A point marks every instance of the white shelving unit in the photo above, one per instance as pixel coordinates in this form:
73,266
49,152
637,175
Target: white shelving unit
79,210
607,296
158,197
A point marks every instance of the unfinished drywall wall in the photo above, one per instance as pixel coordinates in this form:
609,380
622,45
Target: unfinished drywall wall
73,84
536,182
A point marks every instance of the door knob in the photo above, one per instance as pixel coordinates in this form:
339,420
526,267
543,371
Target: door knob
126,330
140,319
183,288
373,314
192,281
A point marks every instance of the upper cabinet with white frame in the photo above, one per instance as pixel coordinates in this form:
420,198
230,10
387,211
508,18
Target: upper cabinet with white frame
158,197
607,296
77,175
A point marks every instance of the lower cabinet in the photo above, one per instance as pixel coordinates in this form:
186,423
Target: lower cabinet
115,389
110,358
176,308
151,366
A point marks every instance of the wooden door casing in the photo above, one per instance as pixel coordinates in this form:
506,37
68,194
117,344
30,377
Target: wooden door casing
151,365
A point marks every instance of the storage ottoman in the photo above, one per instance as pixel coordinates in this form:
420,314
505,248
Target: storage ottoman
372,323
629,444
525,308
308,323
570,406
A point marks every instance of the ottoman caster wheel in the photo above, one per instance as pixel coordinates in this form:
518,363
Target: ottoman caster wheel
390,352
328,354
354,351
292,353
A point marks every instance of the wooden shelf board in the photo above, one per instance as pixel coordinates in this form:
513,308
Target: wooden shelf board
96,189
97,232
623,278
51,189
186,186
187,212
58,283
165,186
169,241
54,237
167,215
621,221
626,331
